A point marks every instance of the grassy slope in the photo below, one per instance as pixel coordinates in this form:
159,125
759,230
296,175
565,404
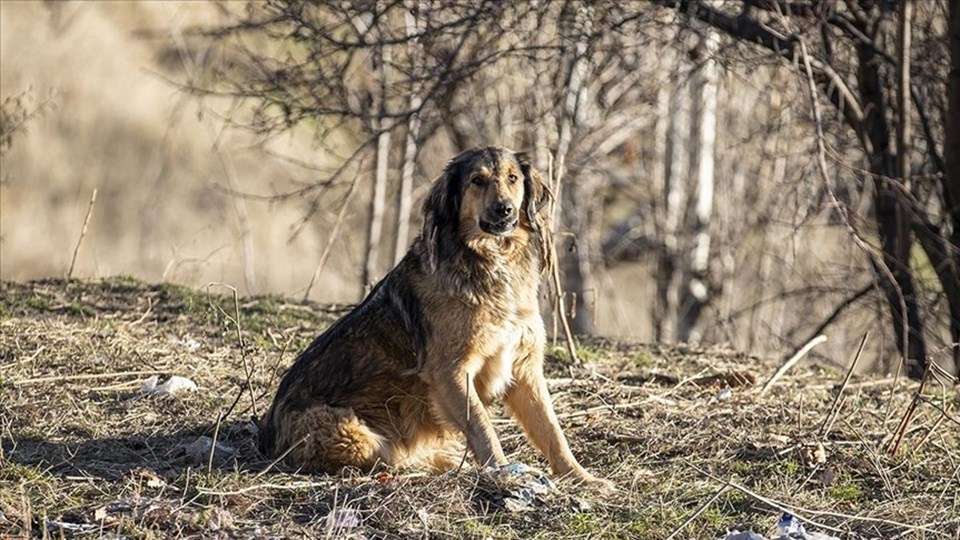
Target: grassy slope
90,451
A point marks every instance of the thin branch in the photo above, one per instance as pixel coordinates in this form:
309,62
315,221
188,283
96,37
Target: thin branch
83,233
333,236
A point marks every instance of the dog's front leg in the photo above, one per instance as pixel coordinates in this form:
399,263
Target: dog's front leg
458,402
528,401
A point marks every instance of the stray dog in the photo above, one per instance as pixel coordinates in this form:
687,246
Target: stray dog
455,325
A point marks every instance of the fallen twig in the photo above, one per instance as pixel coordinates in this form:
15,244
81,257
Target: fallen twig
834,407
801,513
790,363
83,232
703,508
60,378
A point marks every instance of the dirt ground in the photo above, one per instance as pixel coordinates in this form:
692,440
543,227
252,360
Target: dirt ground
685,434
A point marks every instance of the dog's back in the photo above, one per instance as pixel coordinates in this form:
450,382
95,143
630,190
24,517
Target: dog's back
355,364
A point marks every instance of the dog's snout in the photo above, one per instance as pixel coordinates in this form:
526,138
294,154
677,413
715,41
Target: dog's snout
502,209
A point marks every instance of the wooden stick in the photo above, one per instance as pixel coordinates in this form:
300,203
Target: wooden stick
83,232
31,358
213,443
834,409
333,236
87,376
703,508
790,363
554,263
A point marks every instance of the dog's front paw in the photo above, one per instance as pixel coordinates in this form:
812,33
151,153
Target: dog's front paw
602,485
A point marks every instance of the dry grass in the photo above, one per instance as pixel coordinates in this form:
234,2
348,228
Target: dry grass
681,431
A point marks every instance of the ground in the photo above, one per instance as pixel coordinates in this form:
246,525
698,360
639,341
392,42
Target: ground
693,446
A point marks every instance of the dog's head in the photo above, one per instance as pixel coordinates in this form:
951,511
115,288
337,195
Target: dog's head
484,194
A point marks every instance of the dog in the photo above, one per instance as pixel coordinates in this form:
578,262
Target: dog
454,326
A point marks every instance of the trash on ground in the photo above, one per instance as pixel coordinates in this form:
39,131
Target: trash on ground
187,342
737,535
170,386
524,485
342,518
791,529
61,526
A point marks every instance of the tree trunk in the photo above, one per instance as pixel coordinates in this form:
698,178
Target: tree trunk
405,202
696,291
676,173
379,194
576,198
951,178
892,219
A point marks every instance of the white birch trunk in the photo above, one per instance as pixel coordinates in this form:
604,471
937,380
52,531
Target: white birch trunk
379,195
696,290
405,203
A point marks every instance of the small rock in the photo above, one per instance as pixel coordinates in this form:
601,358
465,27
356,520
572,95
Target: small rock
199,450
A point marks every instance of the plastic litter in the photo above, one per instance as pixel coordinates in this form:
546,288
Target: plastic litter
170,386
342,518
526,487
737,535
789,528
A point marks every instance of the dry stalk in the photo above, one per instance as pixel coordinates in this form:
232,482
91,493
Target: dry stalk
281,456
292,486
703,508
802,513
27,360
86,376
247,364
944,414
894,445
341,214
213,444
791,362
836,406
83,233
558,311
933,429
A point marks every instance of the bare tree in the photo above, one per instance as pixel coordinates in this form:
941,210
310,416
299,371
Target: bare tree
573,81
412,140
849,64
696,288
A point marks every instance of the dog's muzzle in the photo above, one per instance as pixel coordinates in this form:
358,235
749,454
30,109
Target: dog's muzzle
500,219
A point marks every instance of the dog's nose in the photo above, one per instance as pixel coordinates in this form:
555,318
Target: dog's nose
502,209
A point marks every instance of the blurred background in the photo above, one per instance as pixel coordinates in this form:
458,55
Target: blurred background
743,172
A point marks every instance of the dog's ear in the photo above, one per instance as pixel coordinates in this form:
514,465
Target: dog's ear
536,194
441,210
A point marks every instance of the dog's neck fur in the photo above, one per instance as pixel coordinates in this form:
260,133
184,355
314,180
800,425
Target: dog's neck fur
484,268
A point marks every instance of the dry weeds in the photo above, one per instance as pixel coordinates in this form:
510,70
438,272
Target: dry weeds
693,447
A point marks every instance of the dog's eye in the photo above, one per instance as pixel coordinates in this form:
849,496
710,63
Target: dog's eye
477,180
513,178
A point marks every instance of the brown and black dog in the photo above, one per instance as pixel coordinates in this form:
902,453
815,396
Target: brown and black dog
452,327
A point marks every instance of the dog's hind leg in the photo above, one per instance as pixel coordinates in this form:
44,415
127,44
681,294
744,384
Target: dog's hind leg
326,438
436,453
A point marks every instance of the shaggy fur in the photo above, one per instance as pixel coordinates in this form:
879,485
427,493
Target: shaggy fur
452,327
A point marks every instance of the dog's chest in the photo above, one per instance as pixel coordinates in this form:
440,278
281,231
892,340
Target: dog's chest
503,343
